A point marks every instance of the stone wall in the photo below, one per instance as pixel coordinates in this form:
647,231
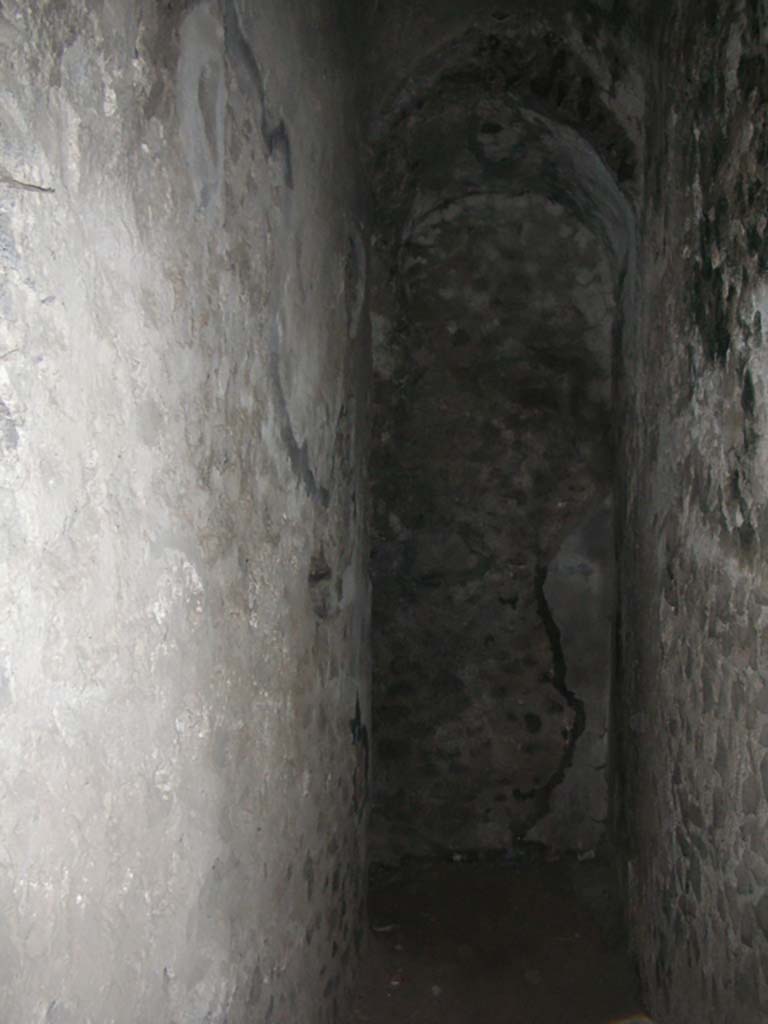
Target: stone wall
491,445
502,240
694,734
183,634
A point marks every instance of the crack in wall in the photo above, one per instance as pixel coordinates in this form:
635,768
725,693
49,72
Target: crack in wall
542,794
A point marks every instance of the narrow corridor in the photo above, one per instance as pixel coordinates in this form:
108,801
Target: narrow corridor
383,493
497,943
501,284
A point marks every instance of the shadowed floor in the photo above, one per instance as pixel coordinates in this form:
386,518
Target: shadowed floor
466,943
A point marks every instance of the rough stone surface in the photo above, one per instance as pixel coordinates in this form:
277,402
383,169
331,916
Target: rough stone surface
490,445
501,239
693,527
570,231
183,630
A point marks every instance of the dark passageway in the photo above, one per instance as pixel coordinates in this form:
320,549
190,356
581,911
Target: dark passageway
383,511
511,228
497,300
503,251
497,943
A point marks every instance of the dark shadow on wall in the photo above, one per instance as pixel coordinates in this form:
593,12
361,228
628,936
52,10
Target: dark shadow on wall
503,245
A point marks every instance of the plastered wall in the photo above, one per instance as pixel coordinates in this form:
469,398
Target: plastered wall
184,598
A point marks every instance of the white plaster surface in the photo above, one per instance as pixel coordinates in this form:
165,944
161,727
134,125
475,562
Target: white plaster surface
180,796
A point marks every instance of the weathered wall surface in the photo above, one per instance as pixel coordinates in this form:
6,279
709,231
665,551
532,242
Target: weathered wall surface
501,238
491,442
183,703
409,38
695,604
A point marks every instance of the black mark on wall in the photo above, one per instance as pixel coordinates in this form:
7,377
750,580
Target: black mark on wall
298,455
359,732
320,579
274,132
542,794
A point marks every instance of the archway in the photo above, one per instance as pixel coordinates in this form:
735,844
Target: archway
502,278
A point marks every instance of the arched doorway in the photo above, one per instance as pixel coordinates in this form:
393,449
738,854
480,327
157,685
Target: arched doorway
503,249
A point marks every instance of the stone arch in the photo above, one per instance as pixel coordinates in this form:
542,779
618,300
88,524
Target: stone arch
492,136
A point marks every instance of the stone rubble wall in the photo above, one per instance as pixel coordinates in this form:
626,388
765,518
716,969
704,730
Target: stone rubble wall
693,717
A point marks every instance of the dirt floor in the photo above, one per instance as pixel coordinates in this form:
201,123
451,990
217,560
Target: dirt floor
463,943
